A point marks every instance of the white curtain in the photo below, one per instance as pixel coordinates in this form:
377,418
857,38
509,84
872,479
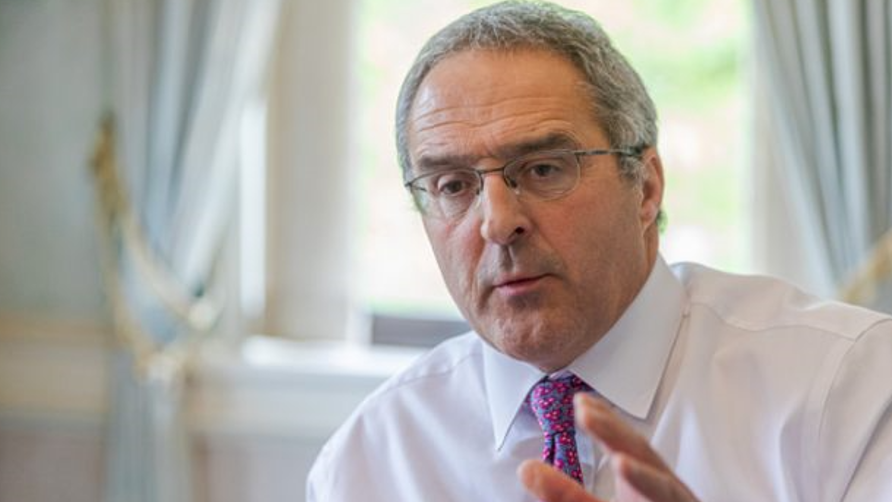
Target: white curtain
181,74
828,69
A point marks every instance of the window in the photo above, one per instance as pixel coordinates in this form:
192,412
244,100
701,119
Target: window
341,233
692,55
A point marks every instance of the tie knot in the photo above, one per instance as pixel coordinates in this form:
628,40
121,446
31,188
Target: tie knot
552,403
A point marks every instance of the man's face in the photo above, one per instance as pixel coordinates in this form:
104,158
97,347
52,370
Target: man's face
541,281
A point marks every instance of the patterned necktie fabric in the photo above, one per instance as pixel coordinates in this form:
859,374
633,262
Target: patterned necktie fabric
552,403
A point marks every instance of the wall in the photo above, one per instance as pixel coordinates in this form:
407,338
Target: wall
50,101
52,404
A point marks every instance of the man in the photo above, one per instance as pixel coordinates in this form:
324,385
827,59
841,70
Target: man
530,148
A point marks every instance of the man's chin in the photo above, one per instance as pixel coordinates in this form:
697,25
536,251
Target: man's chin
547,351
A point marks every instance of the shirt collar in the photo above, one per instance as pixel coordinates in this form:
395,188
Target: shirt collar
625,366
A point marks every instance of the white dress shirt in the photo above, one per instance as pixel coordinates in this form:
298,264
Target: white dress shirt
748,388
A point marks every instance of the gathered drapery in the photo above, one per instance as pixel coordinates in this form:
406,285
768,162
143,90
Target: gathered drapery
181,74
828,69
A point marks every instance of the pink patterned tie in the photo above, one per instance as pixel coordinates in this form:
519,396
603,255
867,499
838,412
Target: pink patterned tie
552,403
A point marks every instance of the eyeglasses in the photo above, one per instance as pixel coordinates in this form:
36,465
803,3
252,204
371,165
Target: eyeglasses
547,175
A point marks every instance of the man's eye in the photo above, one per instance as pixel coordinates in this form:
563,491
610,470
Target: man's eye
543,169
453,184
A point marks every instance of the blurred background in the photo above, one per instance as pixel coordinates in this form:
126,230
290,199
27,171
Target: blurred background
207,257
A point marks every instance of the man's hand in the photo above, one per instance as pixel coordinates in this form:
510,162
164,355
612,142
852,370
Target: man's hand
640,475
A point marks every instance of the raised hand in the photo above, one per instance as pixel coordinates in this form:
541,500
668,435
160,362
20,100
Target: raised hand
640,475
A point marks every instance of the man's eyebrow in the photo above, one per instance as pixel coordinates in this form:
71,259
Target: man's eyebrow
554,141
429,163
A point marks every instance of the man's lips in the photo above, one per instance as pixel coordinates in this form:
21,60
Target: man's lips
517,284
516,280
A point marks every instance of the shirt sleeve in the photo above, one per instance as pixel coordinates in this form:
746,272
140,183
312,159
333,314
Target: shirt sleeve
855,432
318,478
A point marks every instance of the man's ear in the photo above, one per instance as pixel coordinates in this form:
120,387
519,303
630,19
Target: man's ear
651,187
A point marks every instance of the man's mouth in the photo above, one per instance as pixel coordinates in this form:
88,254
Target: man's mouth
519,285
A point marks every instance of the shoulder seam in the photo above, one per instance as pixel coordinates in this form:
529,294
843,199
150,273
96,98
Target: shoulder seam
738,323
838,367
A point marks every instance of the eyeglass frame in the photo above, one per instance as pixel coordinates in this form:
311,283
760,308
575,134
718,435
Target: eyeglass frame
482,173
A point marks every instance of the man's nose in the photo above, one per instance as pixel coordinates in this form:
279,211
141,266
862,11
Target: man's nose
504,217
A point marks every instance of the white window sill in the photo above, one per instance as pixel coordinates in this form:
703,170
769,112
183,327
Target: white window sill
287,388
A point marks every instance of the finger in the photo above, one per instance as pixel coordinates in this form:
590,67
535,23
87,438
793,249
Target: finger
596,418
550,485
650,482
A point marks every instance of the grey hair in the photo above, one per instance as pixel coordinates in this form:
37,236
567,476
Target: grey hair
620,101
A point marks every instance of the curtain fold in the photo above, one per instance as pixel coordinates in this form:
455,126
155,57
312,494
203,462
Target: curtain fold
827,68
182,72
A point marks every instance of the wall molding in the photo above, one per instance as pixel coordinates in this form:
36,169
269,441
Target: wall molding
53,372
66,331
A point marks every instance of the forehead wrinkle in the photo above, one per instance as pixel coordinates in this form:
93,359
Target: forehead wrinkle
435,110
522,125
528,131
